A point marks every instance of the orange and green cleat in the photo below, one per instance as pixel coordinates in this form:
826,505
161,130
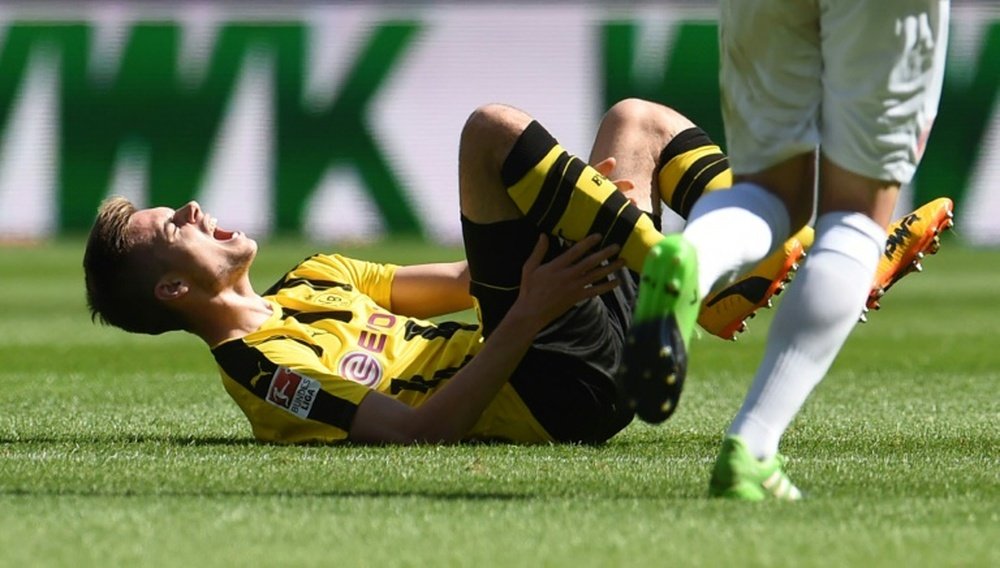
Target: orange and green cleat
910,239
725,313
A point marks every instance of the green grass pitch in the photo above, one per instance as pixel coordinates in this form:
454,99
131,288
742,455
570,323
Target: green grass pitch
125,450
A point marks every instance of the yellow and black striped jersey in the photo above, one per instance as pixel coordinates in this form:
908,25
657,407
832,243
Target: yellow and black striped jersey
332,339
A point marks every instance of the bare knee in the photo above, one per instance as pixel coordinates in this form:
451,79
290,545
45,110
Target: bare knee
654,120
487,138
491,130
635,132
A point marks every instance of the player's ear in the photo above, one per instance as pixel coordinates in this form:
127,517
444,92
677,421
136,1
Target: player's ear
171,287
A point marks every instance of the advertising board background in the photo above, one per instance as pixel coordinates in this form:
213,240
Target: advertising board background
340,121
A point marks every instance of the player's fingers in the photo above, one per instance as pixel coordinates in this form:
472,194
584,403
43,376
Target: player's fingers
600,274
595,258
624,184
606,166
577,251
537,254
598,289
605,270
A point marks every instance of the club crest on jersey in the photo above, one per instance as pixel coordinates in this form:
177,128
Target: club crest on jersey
294,392
330,299
360,367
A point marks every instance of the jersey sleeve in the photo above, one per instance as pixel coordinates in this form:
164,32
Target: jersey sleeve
370,278
286,393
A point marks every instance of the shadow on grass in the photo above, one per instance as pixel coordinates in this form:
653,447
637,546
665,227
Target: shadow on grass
199,441
436,495
7,440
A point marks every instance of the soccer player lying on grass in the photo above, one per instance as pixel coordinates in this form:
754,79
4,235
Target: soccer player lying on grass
338,349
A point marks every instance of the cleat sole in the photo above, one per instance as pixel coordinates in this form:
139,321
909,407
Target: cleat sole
664,318
655,391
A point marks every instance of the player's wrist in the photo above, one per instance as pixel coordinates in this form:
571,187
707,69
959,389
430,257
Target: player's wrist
523,318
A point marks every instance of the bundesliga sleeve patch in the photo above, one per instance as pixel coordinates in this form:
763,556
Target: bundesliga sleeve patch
294,392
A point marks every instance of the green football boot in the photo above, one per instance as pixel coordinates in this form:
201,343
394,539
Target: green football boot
665,313
739,475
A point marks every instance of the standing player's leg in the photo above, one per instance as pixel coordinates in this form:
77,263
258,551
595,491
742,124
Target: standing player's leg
868,151
662,151
664,156
657,150
729,231
732,231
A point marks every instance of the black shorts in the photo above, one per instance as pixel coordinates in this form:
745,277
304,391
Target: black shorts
567,376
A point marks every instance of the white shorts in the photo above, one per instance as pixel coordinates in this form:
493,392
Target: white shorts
859,79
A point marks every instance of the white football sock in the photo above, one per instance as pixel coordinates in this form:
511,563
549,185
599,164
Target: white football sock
810,325
732,230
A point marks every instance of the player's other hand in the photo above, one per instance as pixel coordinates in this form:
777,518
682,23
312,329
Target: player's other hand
549,289
606,167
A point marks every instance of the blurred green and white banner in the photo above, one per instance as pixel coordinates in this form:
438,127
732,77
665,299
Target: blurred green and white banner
341,120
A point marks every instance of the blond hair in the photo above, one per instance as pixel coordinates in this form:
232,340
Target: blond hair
121,274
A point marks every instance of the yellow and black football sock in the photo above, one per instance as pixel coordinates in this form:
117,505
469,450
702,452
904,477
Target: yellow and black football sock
691,165
565,197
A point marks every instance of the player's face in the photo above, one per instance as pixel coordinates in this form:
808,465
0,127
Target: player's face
190,242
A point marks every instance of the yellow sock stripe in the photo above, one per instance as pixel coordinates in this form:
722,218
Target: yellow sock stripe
525,192
593,205
563,184
722,179
639,242
564,196
700,178
690,165
624,224
596,206
685,177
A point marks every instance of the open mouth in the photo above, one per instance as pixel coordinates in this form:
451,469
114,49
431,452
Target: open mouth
222,235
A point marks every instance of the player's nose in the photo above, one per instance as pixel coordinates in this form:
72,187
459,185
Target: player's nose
188,213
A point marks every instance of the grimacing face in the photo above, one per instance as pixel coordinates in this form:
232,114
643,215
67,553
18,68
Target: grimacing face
192,246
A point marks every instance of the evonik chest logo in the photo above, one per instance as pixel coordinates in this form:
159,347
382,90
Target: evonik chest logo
294,392
360,367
